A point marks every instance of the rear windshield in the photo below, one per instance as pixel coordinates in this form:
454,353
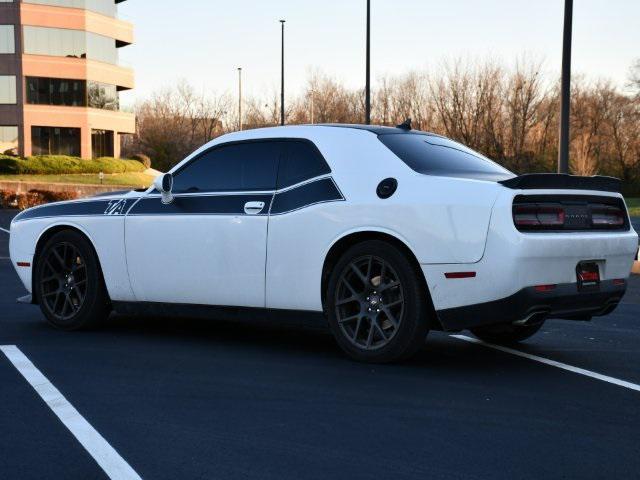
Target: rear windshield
433,155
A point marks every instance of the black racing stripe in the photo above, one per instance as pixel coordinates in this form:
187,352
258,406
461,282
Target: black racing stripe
200,205
83,208
323,190
320,191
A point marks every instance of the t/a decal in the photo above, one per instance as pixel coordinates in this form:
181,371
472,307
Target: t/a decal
116,207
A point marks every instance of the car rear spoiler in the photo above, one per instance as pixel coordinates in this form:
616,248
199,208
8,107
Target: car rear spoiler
561,181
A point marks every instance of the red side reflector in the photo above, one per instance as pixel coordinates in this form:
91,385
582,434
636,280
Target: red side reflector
24,264
618,281
460,274
544,288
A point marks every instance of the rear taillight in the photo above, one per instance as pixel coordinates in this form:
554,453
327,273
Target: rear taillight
531,215
607,216
569,213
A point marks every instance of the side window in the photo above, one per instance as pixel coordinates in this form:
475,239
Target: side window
235,167
302,161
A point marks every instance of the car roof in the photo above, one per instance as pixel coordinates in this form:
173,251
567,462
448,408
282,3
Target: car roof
376,129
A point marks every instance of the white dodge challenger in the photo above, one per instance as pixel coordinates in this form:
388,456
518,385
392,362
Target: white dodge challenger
385,232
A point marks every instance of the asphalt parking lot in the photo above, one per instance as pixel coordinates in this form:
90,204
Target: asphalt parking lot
180,398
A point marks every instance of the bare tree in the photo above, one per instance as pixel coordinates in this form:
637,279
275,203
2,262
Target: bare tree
634,77
523,97
176,121
508,114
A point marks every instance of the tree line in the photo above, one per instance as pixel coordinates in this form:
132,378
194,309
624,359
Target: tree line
509,114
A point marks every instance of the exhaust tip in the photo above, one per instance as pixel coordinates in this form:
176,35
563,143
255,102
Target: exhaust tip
533,318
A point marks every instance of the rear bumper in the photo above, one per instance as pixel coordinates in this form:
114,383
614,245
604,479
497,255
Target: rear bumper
564,301
514,262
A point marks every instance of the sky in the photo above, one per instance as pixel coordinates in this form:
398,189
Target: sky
204,41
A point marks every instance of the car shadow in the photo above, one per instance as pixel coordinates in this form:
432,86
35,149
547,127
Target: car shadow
280,341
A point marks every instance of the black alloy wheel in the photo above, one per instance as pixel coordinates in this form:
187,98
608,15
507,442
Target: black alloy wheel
369,302
68,282
63,286
376,303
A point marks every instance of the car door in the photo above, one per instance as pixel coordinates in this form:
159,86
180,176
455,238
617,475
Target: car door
303,207
208,246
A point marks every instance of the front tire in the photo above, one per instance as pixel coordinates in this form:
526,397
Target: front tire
506,334
68,283
376,304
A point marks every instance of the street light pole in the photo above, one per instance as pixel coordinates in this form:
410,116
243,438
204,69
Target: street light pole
282,77
239,98
367,90
565,90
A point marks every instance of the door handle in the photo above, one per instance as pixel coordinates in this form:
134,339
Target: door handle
253,208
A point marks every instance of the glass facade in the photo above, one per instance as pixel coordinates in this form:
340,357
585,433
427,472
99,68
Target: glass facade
7,39
101,143
71,93
55,141
62,42
105,7
56,91
102,95
7,89
8,138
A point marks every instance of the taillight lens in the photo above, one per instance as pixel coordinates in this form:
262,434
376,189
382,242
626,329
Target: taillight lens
606,216
538,215
569,213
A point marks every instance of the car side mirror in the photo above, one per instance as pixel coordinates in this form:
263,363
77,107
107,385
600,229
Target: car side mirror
164,184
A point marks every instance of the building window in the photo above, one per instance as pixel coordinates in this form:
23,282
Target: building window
60,42
105,7
102,95
101,143
56,91
55,141
7,89
126,144
7,39
72,93
9,139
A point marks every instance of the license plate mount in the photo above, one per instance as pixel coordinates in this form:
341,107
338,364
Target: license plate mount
588,274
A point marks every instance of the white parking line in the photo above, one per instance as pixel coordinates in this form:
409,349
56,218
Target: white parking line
109,460
553,363
5,230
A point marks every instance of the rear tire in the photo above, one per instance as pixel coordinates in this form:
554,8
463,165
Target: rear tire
376,305
505,334
68,283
